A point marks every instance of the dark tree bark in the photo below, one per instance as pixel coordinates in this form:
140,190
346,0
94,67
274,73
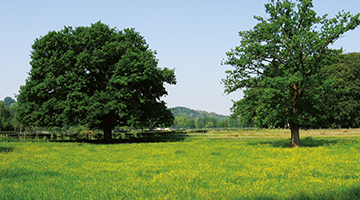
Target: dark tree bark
295,136
108,126
107,134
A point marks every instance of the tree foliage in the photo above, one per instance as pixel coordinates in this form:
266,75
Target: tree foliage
8,101
190,119
5,118
194,114
280,59
95,76
344,100
8,120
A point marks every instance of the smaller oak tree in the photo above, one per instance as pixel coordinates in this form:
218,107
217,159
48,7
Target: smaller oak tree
279,60
95,76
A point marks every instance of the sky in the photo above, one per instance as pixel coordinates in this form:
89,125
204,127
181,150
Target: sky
190,36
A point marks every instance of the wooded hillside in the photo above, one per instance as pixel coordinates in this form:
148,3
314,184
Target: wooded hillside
194,114
189,119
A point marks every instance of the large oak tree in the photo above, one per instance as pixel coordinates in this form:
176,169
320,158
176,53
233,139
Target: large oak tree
95,76
279,60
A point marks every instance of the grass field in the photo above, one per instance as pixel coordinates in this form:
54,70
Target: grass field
258,167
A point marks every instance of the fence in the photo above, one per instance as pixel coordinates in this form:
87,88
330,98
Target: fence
176,135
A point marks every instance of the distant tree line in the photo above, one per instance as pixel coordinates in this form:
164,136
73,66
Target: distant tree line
186,118
8,121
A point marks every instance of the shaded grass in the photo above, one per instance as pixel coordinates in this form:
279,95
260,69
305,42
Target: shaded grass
306,142
118,137
193,169
6,149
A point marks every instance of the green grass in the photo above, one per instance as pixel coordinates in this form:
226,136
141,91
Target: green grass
253,168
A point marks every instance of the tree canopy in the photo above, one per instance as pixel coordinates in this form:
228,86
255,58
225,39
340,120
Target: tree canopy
344,100
95,76
5,118
194,114
278,64
8,101
189,119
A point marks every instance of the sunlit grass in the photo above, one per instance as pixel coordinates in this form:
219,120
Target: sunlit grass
254,168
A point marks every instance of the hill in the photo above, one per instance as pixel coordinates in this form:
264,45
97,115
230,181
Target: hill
194,114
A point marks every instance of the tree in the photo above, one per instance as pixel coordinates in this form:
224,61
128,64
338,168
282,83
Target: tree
5,118
210,120
8,101
279,60
13,107
94,76
221,124
209,125
200,122
345,100
190,123
180,122
193,114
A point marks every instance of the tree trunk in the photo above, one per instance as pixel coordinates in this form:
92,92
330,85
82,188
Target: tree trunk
107,126
295,136
107,134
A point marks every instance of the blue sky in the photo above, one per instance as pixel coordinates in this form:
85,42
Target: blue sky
190,36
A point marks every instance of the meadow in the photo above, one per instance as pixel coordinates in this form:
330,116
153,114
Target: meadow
256,167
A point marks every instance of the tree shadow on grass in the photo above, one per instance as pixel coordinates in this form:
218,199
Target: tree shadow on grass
16,173
140,140
151,137
346,193
6,149
306,142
